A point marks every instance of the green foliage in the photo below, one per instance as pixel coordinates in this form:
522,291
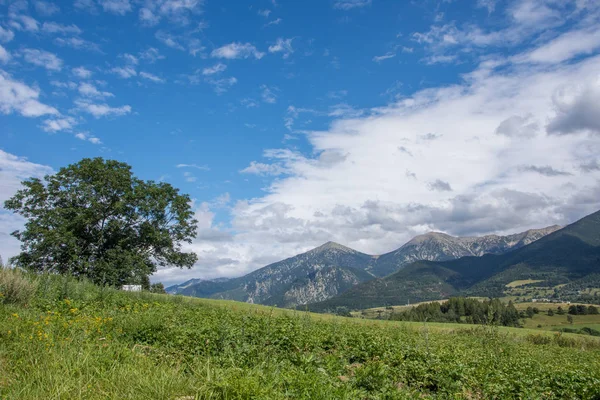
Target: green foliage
77,340
157,288
460,309
95,219
581,309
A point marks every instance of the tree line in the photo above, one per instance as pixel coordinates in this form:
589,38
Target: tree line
463,310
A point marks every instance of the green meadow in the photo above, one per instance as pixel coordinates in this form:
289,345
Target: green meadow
65,339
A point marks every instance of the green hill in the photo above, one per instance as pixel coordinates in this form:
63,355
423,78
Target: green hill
63,339
570,255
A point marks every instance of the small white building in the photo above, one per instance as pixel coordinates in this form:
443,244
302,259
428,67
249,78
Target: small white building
132,288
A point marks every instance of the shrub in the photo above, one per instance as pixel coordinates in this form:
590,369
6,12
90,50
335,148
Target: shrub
15,288
539,339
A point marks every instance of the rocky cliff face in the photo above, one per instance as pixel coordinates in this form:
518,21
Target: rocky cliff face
320,273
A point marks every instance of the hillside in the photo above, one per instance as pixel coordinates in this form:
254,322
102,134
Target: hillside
74,340
331,269
568,255
316,275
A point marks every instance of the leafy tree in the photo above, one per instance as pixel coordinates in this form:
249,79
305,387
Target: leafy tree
95,219
550,312
529,312
592,310
570,319
157,288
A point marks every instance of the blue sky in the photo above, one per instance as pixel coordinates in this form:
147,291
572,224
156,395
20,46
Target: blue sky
293,123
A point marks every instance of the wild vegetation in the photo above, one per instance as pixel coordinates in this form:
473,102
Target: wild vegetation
73,339
460,309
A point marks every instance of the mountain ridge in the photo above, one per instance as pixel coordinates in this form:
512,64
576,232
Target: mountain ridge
331,268
566,255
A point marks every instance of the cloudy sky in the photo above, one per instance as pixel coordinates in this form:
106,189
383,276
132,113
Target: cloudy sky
292,123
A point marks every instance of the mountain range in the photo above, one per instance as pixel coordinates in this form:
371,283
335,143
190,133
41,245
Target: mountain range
570,255
331,270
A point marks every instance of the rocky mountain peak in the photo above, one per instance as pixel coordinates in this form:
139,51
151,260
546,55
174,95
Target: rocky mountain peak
329,246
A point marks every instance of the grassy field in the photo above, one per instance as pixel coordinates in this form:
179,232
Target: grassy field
522,282
74,340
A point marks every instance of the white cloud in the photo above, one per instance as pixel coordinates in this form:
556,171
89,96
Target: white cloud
26,23
150,55
6,35
125,72
86,5
88,90
4,55
222,85
525,22
42,58
282,46
189,177
14,170
276,21
577,108
148,17
215,69
168,40
350,4
176,11
151,77
64,85
82,72
345,111
564,47
53,27
264,13
489,4
101,110
237,50
386,56
195,166
440,59
257,168
59,124
78,43
19,98
130,58
120,7
87,137
268,95
45,8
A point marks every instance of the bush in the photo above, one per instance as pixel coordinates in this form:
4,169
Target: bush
15,288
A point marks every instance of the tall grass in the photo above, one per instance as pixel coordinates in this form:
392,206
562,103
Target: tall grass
15,287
